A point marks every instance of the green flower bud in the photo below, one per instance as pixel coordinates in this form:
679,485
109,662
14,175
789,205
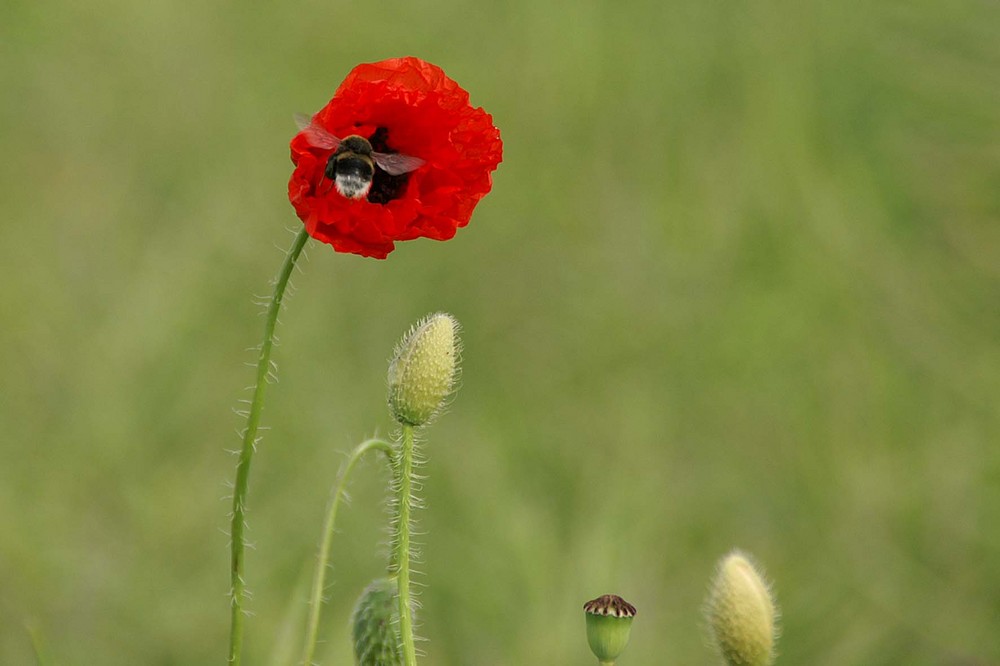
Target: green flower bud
375,626
609,623
741,612
423,369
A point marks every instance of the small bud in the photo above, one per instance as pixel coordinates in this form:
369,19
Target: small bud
375,626
609,623
423,369
741,611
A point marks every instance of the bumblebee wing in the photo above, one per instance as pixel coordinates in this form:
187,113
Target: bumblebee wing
395,164
316,135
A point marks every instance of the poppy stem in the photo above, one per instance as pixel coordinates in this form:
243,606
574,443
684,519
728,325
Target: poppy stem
404,503
323,559
238,527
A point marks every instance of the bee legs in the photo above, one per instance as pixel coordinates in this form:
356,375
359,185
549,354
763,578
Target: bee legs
319,186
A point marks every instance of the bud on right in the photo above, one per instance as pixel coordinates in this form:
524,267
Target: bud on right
741,612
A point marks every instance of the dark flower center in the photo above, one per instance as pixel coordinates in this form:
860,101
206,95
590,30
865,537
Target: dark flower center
385,188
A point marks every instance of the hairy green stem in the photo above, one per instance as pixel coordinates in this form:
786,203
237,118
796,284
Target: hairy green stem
404,470
323,559
238,527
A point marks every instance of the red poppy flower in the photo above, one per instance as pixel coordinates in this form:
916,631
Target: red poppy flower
402,106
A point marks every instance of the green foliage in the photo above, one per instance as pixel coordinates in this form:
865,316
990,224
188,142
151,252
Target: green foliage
736,284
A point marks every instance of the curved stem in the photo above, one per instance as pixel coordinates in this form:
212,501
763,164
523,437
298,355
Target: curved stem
238,527
323,559
404,501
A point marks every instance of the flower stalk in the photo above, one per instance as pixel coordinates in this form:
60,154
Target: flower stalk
323,558
240,489
404,500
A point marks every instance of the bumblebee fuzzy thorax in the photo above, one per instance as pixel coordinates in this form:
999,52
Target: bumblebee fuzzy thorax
351,168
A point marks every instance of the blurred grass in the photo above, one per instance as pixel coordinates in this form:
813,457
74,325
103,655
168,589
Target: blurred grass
737,284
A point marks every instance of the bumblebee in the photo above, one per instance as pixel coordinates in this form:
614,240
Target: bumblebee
351,166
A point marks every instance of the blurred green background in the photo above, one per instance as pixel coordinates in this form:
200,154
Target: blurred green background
738,284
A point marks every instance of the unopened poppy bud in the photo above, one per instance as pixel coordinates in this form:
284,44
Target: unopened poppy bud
375,626
741,612
609,623
423,369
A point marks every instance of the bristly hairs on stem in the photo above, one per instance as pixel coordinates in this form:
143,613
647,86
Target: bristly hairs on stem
238,588
402,525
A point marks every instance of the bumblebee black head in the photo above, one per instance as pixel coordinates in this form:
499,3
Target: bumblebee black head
355,144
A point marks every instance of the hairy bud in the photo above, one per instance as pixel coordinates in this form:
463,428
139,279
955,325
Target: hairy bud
375,626
423,370
741,612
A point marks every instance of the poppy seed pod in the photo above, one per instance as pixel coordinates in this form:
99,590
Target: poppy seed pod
423,369
741,612
609,623
375,626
